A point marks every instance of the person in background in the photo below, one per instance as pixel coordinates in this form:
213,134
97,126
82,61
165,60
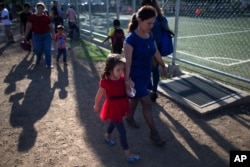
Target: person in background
71,17
60,38
54,11
139,50
197,12
5,18
160,23
43,32
62,14
116,34
46,11
56,18
34,9
116,105
23,21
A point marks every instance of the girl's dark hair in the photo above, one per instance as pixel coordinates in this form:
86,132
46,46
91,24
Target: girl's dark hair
144,13
111,61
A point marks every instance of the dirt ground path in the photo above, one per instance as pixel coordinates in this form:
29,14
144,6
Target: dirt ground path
47,119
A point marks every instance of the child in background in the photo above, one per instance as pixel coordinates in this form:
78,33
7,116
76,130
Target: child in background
60,38
116,34
116,105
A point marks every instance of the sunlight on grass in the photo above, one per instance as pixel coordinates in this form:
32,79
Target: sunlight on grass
87,50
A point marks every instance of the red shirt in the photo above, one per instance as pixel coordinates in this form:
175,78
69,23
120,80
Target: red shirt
61,40
40,24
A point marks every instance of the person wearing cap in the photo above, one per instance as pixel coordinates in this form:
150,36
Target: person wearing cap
5,18
43,32
60,39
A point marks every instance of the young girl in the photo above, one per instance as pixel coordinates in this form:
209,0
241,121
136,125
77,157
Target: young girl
116,104
60,38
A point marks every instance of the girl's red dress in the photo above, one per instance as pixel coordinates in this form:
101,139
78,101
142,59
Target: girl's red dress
116,104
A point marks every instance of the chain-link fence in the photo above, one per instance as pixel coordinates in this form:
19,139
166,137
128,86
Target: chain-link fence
212,38
215,37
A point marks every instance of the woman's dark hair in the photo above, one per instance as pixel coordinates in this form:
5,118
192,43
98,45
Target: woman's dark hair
144,13
111,61
153,3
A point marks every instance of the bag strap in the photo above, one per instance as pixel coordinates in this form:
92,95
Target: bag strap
163,23
164,26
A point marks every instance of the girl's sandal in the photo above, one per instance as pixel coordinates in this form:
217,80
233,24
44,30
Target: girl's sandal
133,158
109,142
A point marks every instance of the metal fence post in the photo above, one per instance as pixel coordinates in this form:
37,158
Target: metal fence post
117,9
134,6
90,19
107,13
176,29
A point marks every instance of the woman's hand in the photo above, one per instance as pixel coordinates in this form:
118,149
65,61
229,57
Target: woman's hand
129,83
164,72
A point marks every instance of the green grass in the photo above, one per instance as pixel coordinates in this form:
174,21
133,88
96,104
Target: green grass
88,50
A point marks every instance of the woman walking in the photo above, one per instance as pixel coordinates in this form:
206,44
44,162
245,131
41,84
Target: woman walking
139,50
43,32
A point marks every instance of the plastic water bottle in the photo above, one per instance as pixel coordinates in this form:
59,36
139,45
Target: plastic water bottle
131,92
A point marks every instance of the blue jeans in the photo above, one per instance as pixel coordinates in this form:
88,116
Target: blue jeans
122,133
43,45
62,52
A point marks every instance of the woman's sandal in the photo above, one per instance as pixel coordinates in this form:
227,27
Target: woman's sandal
109,142
133,158
132,123
156,138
